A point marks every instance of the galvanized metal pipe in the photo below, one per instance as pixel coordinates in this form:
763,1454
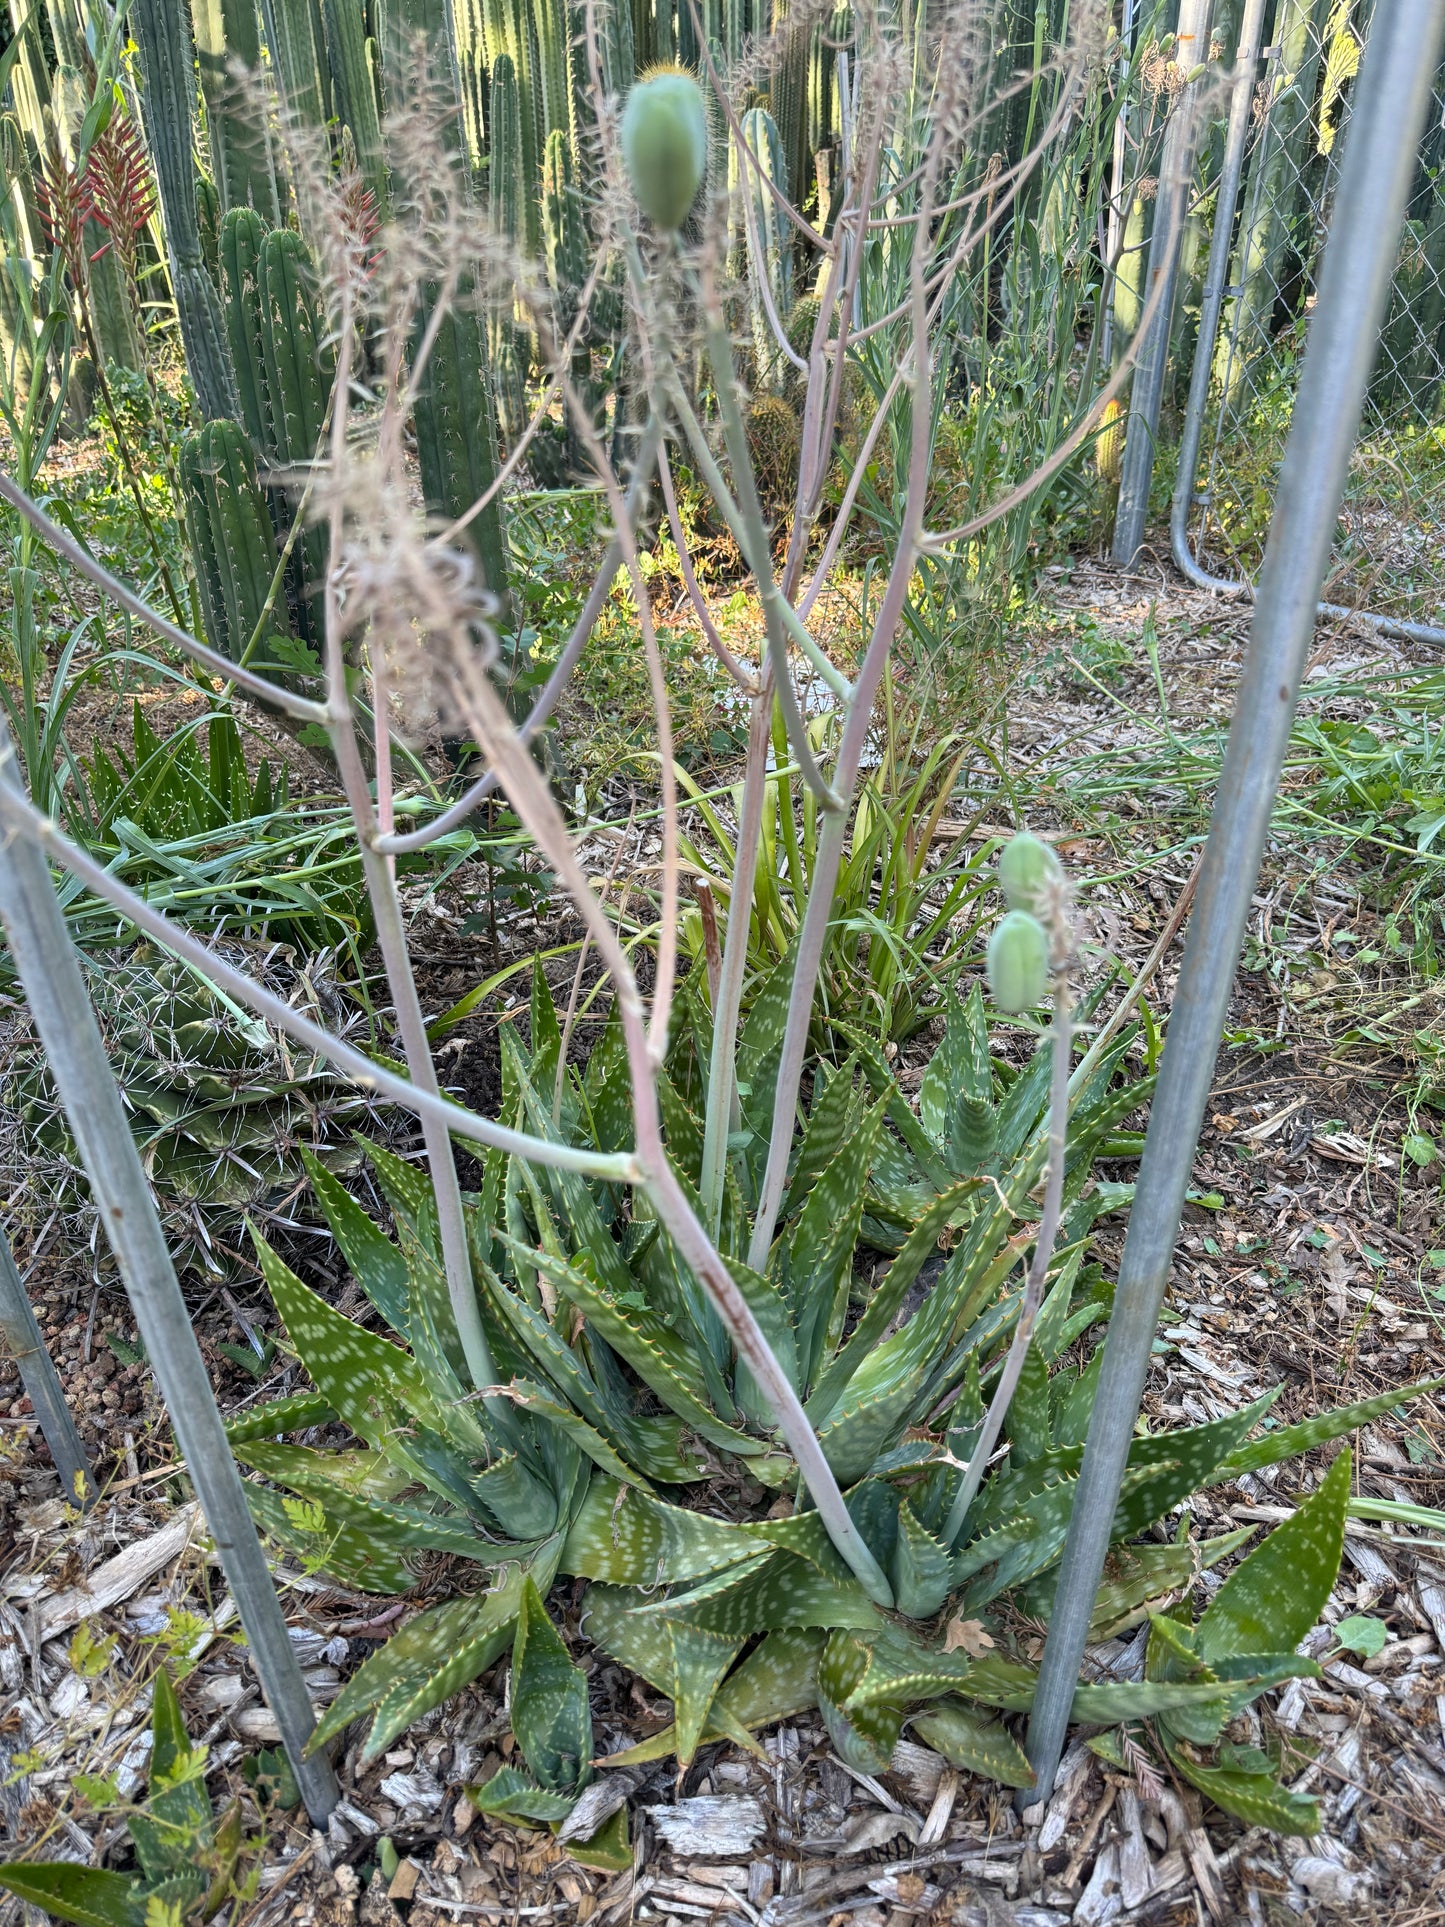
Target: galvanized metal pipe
1216,275
21,1336
65,1022
1216,289
1176,169
1378,167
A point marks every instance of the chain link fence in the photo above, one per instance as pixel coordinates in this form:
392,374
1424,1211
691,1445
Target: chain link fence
1272,212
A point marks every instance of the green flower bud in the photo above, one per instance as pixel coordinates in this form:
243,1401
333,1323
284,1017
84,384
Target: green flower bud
664,143
1018,962
1025,870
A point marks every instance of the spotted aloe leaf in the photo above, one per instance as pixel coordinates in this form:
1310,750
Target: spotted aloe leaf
435,1655
773,1591
920,1245
776,1681
921,1568
1287,1441
1257,1798
89,1896
551,1717
376,1264
623,1536
278,1416
510,1795
347,1365
1270,1601
863,1733
969,1739
684,1662
359,1553
355,1506
820,1252
1134,1576
652,1349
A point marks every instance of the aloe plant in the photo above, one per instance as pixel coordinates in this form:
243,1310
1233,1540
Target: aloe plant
585,1306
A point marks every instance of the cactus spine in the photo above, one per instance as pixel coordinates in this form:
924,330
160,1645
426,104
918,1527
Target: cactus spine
240,139
232,541
163,38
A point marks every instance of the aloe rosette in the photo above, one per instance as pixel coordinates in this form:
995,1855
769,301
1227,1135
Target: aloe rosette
618,1395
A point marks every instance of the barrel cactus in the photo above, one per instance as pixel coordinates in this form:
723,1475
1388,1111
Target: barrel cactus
220,1109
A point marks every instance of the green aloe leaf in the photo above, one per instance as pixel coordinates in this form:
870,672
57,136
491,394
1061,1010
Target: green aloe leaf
967,1739
322,1477
376,1264
775,1591
609,1849
1178,1463
1256,1798
920,1245
347,1365
89,1896
681,1661
864,1735
921,1568
362,1555
820,1252
278,1416
551,1716
777,1680
1029,1431
510,1795
177,1817
654,1352
1288,1441
623,1536
1276,1595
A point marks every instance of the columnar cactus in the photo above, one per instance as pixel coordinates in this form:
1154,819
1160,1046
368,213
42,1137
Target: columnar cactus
299,371
353,91
162,35
242,232
240,139
768,258
232,541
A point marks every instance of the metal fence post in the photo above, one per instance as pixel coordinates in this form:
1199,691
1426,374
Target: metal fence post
21,1334
1176,169
65,1022
1216,280
1379,163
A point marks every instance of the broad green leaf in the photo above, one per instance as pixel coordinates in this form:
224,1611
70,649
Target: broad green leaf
609,1849
777,1680
978,1745
1275,1596
1028,1413
550,1713
820,1252
510,1795
177,1816
920,1245
681,1661
376,1264
866,1423
347,1365
1133,1576
921,1568
89,1896
828,1124
654,1352
322,1476
1178,1463
1256,1798
624,1537
367,1558
864,1736
775,1591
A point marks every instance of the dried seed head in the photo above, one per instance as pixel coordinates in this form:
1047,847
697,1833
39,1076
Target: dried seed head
664,144
1018,962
